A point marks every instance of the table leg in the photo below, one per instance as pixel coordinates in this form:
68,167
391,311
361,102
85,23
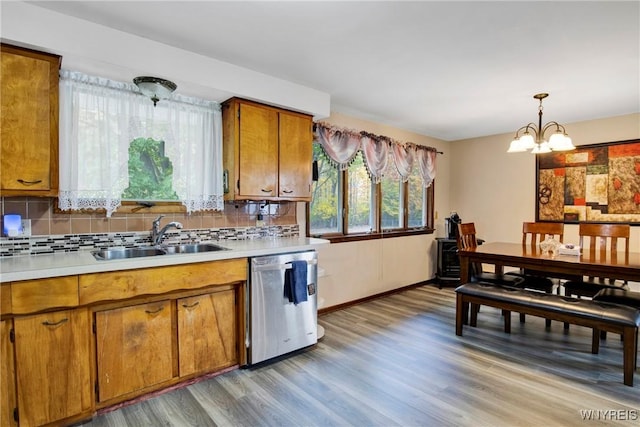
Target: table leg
465,276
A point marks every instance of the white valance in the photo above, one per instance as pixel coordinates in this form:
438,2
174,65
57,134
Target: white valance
383,156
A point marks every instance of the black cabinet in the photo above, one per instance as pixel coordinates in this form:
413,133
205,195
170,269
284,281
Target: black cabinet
448,268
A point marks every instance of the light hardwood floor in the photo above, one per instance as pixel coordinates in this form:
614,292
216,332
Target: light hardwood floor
396,361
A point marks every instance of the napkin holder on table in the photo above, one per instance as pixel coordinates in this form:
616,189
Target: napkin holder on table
569,249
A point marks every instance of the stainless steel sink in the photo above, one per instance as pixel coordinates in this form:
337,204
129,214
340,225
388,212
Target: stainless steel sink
194,248
125,253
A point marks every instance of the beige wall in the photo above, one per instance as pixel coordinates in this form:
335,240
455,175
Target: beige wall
497,190
477,179
356,270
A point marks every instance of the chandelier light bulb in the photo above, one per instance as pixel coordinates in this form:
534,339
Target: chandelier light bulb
527,141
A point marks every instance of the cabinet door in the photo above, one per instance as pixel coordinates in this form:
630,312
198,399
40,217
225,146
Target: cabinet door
29,128
53,366
7,376
134,348
207,332
296,156
258,156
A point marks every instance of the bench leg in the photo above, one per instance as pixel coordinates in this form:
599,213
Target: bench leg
595,341
507,321
461,307
630,347
522,318
547,323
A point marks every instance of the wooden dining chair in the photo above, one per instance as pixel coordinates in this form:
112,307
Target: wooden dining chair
532,234
603,241
467,240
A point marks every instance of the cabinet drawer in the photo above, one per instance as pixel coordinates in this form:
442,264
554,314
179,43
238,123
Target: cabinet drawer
151,281
30,296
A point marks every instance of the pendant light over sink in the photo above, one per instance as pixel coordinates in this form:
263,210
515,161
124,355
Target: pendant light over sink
155,87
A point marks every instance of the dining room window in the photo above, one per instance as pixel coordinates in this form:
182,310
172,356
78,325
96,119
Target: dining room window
369,186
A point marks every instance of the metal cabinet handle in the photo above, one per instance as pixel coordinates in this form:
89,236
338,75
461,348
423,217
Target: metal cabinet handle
287,191
191,305
23,182
59,322
155,311
266,190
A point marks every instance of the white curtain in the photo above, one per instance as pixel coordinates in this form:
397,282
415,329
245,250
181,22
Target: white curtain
376,155
98,120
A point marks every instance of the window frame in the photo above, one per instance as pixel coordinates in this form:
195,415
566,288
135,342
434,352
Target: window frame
378,232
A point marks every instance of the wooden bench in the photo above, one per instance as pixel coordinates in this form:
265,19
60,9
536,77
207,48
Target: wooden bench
599,316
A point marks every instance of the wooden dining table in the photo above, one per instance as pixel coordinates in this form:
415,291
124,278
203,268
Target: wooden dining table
615,266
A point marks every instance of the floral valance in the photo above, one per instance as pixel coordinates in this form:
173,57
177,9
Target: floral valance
383,156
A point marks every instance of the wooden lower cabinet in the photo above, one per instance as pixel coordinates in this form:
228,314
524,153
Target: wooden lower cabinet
7,376
134,349
207,332
53,366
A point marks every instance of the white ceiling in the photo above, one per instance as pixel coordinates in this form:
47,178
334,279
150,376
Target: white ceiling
449,70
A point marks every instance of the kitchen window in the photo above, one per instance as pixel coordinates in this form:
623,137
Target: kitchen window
116,145
367,188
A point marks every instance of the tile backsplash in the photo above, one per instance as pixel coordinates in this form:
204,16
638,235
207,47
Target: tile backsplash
53,232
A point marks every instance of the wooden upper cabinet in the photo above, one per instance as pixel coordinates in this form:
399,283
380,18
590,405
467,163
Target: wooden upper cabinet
258,152
267,152
29,124
296,155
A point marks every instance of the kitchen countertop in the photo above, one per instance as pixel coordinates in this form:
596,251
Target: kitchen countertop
83,262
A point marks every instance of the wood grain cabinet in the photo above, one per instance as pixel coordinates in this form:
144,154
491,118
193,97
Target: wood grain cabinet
7,376
29,124
207,338
133,349
52,355
267,152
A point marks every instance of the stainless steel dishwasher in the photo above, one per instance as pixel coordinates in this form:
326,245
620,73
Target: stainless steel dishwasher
277,326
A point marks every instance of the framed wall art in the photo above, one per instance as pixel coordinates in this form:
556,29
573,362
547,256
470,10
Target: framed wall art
593,183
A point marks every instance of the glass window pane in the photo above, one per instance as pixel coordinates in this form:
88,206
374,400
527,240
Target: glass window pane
416,201
360,198
150,172
325,207
391,202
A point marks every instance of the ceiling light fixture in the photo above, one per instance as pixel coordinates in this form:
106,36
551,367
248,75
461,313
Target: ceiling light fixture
558,141
155,87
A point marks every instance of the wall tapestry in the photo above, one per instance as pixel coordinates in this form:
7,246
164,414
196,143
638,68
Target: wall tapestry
593,183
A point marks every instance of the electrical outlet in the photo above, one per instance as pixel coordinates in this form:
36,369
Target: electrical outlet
26,227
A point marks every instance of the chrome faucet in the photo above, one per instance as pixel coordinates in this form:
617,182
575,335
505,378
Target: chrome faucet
157,234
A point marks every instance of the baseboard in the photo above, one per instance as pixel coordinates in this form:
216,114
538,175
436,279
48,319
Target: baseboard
372,297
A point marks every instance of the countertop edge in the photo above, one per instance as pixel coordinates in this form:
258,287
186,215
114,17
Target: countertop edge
68,264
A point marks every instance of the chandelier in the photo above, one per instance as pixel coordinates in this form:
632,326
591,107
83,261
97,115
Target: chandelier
532,137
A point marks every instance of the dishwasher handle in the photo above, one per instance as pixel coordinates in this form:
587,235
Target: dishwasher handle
267,267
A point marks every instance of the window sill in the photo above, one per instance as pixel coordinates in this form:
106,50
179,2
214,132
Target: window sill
340,238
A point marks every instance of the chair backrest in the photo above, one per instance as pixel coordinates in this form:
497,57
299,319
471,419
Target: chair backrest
467,236
604,237
536,232
467,240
